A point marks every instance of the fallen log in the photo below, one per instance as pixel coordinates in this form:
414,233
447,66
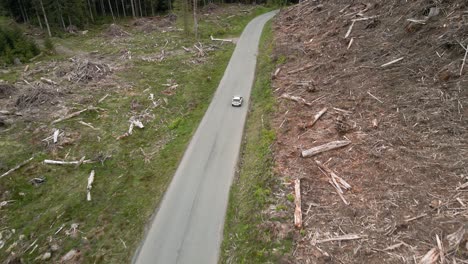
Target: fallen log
48,81
295,99
61,162
90,185
297,201
325,147
16,167
308,66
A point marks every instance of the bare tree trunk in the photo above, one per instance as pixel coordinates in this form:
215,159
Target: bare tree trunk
23,11
103,8
90,11
117,8
141,11
195,22
152,7
112,12
123,7
69,20
186,14
61,15
133,8
45,18
39,19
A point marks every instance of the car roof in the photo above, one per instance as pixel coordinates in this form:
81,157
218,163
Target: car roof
236,97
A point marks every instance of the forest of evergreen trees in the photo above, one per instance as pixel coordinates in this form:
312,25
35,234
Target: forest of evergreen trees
63,13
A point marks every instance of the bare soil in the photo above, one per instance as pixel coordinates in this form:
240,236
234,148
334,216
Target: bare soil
407,123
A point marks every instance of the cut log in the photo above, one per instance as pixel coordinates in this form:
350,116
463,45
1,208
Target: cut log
295,99
223,40
317,117
297,201
90,185
325,147
16,167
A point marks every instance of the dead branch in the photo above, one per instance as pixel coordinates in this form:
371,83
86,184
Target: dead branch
17,167
308,66
391,62
103,98
325,147
375,97
349,29
88,125
341,238
464,60
77,113
297,201
317,117
90,185
430,257
56,135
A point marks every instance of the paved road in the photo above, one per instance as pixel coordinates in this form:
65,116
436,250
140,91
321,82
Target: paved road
188,227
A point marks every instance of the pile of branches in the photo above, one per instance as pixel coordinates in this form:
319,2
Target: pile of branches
116,31
84,71
35,96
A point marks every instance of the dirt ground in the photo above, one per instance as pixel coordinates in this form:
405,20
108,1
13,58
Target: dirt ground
407,163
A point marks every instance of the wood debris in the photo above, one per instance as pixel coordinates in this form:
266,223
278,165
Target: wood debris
16,167
297,202
133,122
336,181
90,185
430,257
325,147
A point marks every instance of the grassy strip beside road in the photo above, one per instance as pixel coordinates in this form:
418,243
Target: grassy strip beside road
54,217
244,240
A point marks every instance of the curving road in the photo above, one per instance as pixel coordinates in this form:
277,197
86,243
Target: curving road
188,227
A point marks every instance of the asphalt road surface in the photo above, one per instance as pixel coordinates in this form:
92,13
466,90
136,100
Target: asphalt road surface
188,226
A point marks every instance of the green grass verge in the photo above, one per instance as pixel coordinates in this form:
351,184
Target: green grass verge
126,189
244,241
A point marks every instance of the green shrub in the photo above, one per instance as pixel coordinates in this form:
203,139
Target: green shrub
49,45
13,44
